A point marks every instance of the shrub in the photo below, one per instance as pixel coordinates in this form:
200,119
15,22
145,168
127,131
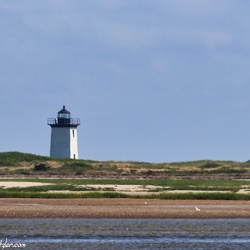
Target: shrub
41,167
132,171
210,165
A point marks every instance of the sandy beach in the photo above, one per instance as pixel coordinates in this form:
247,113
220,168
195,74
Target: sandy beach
122,208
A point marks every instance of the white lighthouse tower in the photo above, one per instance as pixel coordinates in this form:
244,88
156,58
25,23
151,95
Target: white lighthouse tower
63,142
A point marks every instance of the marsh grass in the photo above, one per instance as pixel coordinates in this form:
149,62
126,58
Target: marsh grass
163,183
206,196
47,188
170,196
41,195
193,188
209,188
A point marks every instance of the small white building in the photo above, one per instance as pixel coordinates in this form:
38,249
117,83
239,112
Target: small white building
63,142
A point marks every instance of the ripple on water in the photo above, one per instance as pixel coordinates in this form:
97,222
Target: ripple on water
128,233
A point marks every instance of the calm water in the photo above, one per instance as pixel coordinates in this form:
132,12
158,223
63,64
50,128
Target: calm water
127,233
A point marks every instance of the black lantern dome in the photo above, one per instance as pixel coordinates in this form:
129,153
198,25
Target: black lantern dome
63,119
64,113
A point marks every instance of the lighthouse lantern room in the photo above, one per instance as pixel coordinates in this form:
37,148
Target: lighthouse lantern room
63,142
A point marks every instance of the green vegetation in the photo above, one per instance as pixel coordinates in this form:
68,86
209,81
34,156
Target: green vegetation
175,184
40,195
173,196
14,158
223,189
205,196
210,165
15,163
68,178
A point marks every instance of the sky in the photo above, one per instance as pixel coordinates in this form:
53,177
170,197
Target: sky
151,80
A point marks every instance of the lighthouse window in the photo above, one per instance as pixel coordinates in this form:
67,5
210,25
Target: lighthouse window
73,132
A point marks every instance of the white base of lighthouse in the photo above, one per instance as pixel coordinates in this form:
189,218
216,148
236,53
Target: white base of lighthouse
63,142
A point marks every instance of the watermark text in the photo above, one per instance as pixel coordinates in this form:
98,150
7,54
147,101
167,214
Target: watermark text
7,244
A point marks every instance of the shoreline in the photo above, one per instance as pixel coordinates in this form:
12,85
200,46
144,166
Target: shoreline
122,208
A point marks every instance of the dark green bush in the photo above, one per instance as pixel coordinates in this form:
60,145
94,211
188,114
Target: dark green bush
41,167
210,165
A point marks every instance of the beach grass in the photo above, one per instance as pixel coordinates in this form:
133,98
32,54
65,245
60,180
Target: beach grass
28,165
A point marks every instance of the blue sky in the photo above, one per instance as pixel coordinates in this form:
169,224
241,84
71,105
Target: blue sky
151,80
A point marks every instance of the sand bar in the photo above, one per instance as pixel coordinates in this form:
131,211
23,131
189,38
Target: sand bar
22,184
121,208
